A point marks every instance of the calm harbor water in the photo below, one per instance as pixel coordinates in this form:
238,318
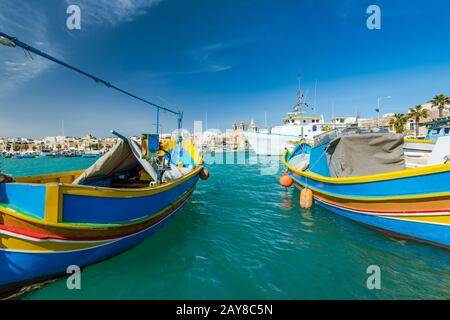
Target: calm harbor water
242,236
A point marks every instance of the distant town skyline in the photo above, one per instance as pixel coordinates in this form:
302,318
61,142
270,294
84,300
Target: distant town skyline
238,64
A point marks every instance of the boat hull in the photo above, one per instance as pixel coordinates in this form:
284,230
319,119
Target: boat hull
435,233
422,219
46,227
413,203
26,257
19,267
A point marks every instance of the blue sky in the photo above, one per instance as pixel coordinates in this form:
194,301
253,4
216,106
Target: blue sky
233,60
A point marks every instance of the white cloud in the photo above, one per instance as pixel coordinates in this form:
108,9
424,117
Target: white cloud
111,12
20,20
206,57
28,22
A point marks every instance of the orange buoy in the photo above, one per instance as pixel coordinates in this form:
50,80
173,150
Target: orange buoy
204,174
180,164
306,198
286,180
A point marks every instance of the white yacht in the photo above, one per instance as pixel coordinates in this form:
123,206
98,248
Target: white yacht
296,126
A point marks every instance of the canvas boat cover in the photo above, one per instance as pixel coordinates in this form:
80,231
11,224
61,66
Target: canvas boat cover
328,136
125,155
365,154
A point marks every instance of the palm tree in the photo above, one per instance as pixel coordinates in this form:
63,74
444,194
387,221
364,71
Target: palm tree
398,122
440,101
416,113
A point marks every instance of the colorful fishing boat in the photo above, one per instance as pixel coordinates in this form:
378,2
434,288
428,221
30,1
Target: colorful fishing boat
50,222
367,179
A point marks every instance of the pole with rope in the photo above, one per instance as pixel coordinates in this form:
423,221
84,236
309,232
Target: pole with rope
13,42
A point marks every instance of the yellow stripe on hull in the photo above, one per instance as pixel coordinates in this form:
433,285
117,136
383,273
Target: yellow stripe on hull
64,177
441,219
419,141
25,244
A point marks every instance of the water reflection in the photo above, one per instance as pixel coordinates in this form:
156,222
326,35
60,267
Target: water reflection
286,200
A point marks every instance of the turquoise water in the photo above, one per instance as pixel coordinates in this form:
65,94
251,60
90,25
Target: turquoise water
243,237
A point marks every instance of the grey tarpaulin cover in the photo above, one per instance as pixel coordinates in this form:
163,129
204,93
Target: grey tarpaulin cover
365,154
125,155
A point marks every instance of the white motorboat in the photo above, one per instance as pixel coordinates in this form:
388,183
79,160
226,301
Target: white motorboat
296,126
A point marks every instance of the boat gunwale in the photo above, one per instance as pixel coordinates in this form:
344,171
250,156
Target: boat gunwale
411,140
24,179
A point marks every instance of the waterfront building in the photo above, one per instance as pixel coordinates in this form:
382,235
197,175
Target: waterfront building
342,122
236,139
252,127
89,142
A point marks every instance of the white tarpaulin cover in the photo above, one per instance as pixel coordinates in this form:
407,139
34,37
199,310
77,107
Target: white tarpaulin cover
125,155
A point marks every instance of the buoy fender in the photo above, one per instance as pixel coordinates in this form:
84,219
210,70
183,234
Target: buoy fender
286,180
204,174
306,198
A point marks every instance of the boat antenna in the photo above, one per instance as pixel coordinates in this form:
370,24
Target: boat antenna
299,91
298,105
315,97
12,42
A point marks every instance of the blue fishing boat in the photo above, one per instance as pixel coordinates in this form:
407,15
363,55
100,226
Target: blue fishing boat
49,223
366,178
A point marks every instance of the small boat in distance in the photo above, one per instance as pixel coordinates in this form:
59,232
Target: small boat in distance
25,156
89,155
365,178
435,133
296,126
420,147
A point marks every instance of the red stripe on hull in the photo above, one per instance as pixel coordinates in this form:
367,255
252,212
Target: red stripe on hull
30,234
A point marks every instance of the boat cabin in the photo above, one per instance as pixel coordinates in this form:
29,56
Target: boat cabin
436,132
301,120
